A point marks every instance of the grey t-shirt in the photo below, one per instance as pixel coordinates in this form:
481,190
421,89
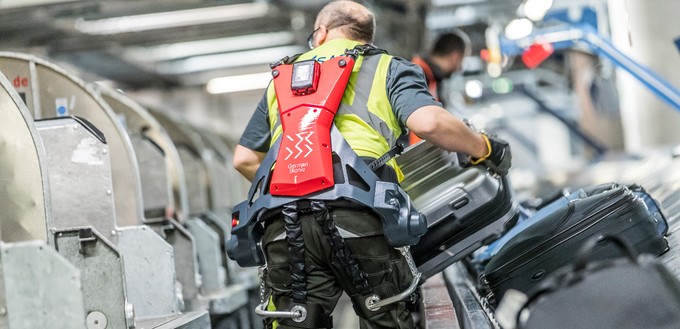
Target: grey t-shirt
406,89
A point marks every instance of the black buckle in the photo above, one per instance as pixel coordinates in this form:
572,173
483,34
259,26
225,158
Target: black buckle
286,60
304,206
364,50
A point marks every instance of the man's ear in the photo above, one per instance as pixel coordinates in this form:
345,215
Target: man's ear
321,35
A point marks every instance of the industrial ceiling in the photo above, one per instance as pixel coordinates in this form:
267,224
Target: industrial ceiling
166,43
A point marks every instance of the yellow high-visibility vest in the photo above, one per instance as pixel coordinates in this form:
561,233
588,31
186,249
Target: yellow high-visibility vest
365,117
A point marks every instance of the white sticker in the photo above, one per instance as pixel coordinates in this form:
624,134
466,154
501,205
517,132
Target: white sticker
87,152
61,105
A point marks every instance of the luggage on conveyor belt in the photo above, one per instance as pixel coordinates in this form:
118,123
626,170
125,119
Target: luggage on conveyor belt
465,207
607,209
621,293
558,202
653,207
523,223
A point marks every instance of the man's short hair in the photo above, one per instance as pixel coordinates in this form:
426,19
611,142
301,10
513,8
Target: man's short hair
448,43
355,24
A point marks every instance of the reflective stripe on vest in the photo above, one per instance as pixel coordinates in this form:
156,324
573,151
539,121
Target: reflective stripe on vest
365,117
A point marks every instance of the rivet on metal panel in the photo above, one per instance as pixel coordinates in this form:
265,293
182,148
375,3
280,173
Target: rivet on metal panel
114,232
105,151
75,127
108,192
96,320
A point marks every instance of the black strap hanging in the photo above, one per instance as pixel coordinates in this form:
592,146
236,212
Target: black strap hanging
341,252
296,253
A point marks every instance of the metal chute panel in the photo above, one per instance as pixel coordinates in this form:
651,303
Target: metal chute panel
38,288
81,189
23,180
151,289
55,93
189,147
144,130
101,268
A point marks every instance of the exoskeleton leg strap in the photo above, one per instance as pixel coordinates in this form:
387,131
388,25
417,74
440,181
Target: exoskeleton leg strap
341,252
296,253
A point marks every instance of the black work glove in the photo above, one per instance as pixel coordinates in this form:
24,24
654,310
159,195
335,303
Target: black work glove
499,158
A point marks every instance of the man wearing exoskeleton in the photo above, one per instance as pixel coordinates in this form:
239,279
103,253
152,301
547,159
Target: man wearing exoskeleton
329,216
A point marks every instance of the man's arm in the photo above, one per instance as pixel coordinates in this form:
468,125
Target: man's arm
439,127
255,140
415,108
247,161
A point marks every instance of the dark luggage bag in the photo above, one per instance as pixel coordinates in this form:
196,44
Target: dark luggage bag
523,223
609,209
465,207
558,202
653,207
620,293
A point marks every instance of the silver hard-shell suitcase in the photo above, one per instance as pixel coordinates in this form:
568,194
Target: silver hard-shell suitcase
465,208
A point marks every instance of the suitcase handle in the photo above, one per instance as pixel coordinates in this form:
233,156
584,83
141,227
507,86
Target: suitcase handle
584,254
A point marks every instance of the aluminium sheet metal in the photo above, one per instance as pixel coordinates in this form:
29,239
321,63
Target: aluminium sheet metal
23,176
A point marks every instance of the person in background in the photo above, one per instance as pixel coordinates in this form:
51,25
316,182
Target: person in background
385,95
444,59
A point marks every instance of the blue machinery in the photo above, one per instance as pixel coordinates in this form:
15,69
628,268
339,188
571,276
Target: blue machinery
584,33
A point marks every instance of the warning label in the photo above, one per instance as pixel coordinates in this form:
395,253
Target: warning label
295,168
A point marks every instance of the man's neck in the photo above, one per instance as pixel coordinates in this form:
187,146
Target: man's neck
337,35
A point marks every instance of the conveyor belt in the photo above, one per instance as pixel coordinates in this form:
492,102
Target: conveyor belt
470,307
665,188
672,258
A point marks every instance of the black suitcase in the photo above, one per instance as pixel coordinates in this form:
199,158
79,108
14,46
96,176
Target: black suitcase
609,209
465,207
620,293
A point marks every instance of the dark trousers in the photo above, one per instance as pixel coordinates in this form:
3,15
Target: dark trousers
386,269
